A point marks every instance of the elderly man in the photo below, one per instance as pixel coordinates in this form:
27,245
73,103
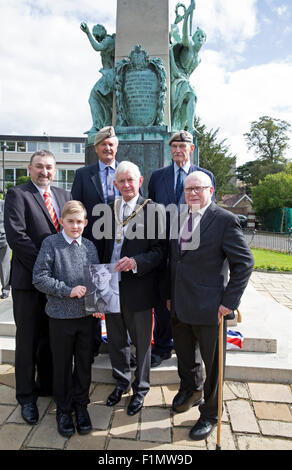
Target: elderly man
31,214
136,256
166,187
93,185
201,294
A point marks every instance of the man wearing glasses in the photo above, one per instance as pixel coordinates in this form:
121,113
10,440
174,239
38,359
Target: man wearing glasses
166,187
201,295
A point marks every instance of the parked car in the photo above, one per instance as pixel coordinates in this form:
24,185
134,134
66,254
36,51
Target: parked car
242,220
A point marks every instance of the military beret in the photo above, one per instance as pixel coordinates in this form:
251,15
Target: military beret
104,133
181,136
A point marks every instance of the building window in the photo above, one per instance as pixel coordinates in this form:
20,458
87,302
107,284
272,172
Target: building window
21,147
11,146
31,147
43,146
65,179
65,147
55,147
77,148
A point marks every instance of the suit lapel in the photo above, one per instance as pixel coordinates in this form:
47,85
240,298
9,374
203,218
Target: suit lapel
95,178
36,194
208,217
168,177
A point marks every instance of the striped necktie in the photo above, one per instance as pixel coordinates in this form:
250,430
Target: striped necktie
51,210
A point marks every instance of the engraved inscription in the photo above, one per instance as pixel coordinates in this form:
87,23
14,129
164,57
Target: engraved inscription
141,88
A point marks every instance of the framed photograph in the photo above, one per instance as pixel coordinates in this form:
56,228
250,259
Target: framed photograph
102,285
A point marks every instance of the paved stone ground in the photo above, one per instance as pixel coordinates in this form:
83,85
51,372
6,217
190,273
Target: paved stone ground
276,286
256,417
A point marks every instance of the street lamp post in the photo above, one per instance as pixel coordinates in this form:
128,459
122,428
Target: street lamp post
4,147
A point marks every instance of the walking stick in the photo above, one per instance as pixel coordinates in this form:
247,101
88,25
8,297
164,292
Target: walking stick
220,383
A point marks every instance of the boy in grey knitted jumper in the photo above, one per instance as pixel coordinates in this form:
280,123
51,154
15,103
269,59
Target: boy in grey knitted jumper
59,273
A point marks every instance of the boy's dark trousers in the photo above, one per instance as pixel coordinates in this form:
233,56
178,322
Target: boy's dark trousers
71,345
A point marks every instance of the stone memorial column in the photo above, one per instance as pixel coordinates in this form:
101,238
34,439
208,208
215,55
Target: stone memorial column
144,22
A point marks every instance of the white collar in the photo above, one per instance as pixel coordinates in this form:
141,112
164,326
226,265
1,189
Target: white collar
185,167
70,240
132,203
103,166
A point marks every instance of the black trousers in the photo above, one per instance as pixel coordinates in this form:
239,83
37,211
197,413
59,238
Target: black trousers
33,353
139,326
194,344
71,345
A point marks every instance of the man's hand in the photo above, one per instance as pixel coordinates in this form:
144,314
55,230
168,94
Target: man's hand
97,315
168,304
125,264
223,311
84,28
78,291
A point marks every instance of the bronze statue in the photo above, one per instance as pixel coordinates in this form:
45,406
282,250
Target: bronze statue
184,59
101,96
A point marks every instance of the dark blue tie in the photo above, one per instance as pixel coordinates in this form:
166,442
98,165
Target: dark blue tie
110,191
179,186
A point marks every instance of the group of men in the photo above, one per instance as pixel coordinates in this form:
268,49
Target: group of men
190,296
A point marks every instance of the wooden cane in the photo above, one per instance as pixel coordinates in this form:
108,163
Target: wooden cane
220,383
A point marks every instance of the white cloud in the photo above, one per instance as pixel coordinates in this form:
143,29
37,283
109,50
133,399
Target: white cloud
48,68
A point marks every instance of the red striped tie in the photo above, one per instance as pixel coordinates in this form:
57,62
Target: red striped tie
51,210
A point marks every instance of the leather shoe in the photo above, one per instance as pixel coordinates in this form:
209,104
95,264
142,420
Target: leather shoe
135,404
30,413
202,429
156,359
65,424
184,400
83,421
116,396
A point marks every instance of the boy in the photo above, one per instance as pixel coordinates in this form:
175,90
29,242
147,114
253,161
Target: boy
58,272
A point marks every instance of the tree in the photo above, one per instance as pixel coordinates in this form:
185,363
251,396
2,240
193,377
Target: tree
254,171
215,157
274,192
268,139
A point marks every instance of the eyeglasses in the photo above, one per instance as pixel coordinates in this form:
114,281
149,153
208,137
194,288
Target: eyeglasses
196,189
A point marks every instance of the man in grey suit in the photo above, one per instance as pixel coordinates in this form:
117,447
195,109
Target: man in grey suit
4,256
201,294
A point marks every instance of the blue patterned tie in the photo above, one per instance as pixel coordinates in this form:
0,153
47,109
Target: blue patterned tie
110,186
179,186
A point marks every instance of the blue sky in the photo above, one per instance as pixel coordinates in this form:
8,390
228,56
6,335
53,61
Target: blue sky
48,67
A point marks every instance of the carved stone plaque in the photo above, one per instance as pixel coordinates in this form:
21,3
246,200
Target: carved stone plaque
140,88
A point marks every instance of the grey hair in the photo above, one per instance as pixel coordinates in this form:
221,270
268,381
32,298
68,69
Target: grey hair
127,166
42,153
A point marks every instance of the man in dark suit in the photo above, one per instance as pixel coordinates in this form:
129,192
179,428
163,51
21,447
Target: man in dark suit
31,214
201,295
94,185
136,256
166,187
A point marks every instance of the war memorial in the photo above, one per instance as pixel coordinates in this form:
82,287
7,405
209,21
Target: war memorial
144,90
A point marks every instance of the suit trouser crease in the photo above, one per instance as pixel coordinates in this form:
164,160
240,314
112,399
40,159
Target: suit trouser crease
192,341
32,352
5,268
139,327
71,343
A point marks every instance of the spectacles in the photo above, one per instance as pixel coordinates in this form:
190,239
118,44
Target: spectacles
196,189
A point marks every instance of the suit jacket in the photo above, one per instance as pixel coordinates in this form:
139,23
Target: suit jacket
27,223
87,188
198,278
139,291
161,185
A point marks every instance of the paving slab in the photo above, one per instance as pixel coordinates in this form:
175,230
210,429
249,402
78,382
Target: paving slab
262,443
272,411
276,428
242,417
45,435
123,425
96,440
270,392
12,436
155,425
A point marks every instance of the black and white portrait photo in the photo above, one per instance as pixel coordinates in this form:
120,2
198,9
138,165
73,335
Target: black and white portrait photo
102,293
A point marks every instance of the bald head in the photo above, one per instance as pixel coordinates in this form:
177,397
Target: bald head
198,189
